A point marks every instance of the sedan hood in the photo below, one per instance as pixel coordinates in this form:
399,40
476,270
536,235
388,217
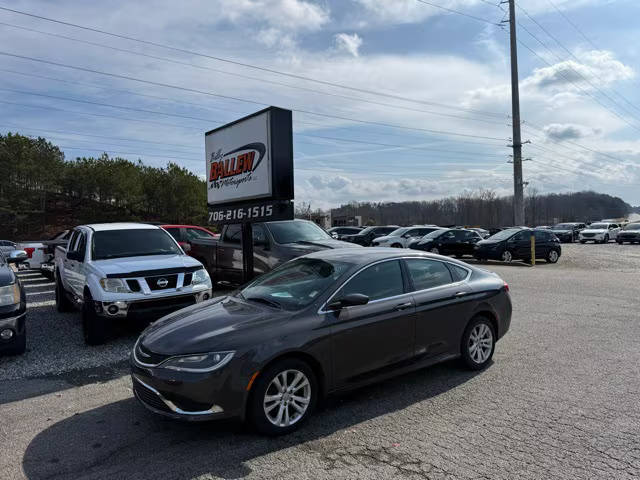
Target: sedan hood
561,232
488,242
145,263
386,238
595,230
210,326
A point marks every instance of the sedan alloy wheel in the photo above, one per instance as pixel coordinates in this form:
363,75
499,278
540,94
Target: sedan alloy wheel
478,343
287,398
507,256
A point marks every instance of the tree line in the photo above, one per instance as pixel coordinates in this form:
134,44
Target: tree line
41,191
486,208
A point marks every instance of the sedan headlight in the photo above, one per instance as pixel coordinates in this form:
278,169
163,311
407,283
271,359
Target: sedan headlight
114,285
200,276
9,295
201,362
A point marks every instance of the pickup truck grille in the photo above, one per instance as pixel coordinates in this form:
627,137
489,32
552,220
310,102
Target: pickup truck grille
162,282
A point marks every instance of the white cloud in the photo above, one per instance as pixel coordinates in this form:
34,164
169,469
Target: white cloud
348,43
291,15
408,11
567,131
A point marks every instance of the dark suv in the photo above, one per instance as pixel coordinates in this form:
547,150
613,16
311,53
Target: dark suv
366,236
515,244
568,232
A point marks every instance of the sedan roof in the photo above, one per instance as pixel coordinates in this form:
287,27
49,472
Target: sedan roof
361,256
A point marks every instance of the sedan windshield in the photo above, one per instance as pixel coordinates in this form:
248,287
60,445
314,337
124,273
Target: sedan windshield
132,243
398,232
365,231
504,234
434,234
294,285
297,232
633,226
598,226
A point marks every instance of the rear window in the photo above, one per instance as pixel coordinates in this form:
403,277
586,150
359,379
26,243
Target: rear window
132,243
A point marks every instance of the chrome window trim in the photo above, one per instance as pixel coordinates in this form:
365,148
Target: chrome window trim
322,311
172,406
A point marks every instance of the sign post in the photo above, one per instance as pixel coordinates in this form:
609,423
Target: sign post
250,174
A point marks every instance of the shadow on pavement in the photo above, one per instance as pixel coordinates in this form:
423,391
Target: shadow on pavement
123,440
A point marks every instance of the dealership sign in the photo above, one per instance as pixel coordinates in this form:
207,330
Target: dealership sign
250,160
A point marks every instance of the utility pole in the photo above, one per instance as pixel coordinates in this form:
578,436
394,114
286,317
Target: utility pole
518,185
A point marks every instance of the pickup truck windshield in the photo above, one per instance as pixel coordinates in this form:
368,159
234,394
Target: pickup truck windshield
295,284
297,232
132,243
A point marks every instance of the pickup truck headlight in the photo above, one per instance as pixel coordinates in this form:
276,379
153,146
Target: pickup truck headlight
114,285
200,276
9,295
201,362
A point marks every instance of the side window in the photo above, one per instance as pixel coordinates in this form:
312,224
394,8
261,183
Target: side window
72,242
521,236
428,273
174,232
81,247
195,233
613,226
541,236
458,273
233,234
460,235
259,235
378,281
448,236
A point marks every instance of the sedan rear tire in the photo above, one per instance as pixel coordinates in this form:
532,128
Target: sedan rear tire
507,256
552,256
283,397
478,343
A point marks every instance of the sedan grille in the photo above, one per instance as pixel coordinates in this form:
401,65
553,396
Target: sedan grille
588,235
149,397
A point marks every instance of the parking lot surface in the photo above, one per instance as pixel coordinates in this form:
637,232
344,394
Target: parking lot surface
561,399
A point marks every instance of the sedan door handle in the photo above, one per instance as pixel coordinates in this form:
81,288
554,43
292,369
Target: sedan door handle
460,294
404,306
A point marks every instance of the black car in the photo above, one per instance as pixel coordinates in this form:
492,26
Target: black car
630,233
339,232
568,232
13,306
449,241
515,244
326,322
366,236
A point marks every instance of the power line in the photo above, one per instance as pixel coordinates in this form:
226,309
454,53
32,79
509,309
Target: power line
263,80
458,12
233,62
555,39
202,92
573,24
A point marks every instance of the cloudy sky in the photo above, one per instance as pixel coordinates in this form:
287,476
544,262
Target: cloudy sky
392,99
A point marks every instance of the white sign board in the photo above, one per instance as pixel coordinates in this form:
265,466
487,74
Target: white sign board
239,161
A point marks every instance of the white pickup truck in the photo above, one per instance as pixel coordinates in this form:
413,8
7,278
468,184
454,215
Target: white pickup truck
125,271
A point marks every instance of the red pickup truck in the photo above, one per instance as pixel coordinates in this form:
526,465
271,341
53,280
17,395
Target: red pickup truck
184,234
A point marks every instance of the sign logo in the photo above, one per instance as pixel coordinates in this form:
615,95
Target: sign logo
237,166
162,282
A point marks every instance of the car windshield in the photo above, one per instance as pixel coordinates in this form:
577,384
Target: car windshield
504,234
132,243
295,284
434,234
366,231
562,226
598,226
398,232
633,226
297,232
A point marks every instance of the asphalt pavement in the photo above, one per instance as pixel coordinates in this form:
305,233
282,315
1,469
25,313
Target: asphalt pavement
561,399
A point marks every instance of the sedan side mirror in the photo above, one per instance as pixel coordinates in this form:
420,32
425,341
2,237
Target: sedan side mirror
350,300
17,256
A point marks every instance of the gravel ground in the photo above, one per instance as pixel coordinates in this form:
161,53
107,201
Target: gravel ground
561,400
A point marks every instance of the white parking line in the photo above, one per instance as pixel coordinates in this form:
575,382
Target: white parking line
46,303
29,275
40,285
41,278
41,293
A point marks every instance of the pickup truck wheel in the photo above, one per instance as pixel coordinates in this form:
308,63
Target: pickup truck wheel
94,327
63,304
